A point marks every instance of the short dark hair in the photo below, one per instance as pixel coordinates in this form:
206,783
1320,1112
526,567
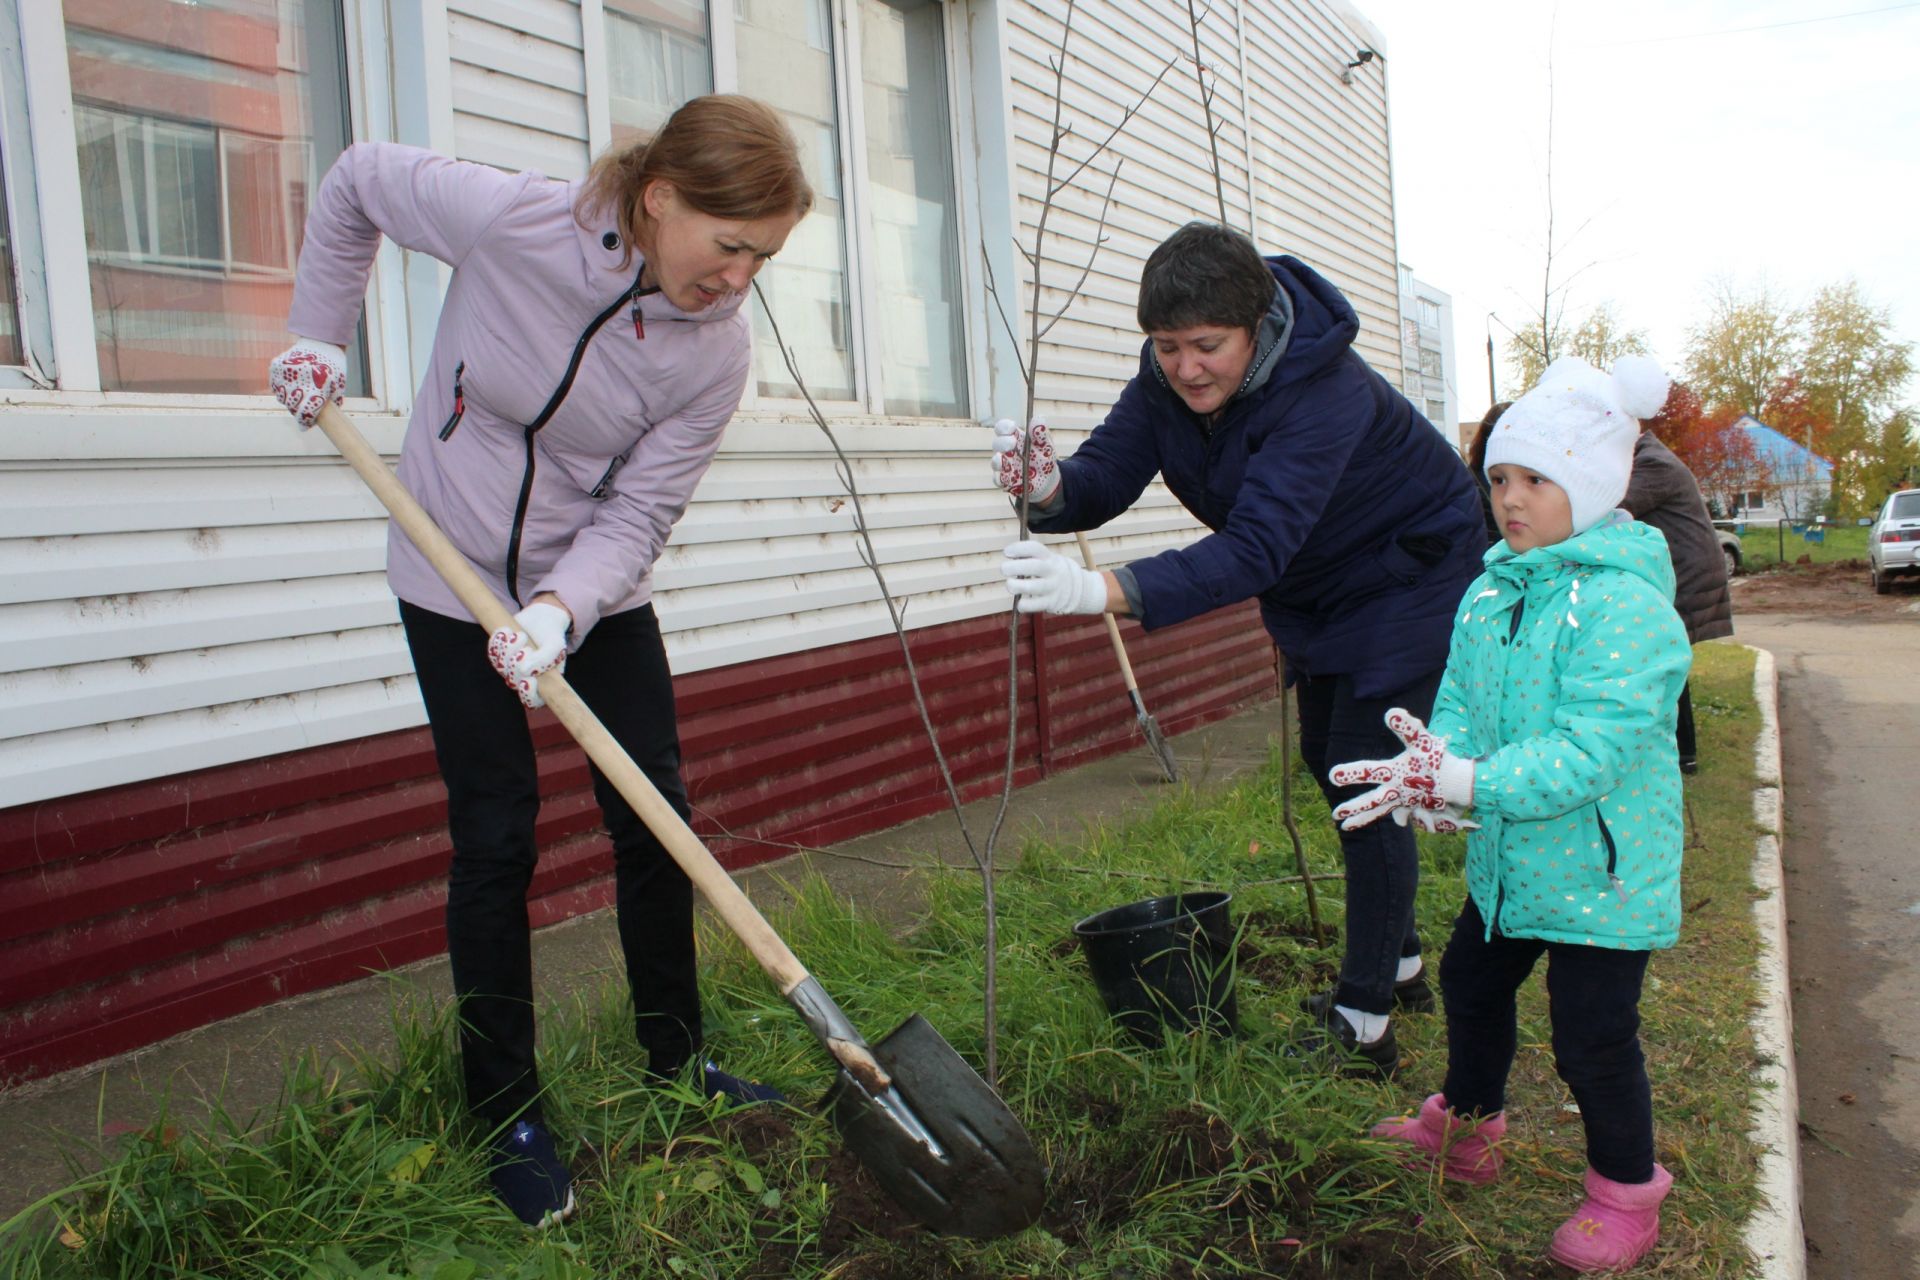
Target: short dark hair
1205,274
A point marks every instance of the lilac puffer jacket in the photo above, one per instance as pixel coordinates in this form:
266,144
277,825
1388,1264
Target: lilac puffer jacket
573,494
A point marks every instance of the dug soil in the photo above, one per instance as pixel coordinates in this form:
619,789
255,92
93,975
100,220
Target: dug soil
1841,589
1268,1193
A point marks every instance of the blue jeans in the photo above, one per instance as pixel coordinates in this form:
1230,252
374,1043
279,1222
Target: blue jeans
1593,995
484,745
1383,864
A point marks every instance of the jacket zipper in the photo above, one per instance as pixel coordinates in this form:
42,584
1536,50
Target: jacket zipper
1613,858
459,401
533,429
1500,888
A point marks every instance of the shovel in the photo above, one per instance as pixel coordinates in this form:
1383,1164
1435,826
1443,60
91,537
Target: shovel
1156,741
935,1136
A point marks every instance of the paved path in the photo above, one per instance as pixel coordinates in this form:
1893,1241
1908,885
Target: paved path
1850,728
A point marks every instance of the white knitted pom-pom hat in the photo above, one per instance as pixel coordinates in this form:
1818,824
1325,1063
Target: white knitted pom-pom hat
1577,428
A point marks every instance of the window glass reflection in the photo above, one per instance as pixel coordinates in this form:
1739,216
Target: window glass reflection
657,58
786,59
11,348
910,177
201,129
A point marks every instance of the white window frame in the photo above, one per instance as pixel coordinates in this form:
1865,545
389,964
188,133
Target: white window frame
52,279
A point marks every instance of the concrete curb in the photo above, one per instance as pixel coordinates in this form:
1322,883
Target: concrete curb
1774,1234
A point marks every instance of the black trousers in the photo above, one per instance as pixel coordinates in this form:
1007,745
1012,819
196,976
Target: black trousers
1683,724
1593,997
1382,860
485,749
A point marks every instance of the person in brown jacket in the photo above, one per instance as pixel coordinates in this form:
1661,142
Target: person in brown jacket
1663,493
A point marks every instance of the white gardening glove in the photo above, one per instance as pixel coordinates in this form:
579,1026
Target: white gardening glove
1441,821
1425,776
307,375
1043,582
536,644
1042,478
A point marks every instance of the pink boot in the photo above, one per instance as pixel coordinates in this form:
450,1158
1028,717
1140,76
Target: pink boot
1614,1226
1467,1150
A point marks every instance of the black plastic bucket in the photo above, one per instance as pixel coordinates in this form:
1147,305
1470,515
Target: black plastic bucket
1165,962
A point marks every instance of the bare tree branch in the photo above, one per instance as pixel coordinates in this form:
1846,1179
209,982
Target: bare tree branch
1099,238
1206,106
871,558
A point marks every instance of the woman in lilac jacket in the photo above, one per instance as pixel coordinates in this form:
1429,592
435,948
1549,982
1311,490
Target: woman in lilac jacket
590,350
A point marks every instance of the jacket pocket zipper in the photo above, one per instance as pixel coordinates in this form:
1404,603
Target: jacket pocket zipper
606,481
459,401
1613,859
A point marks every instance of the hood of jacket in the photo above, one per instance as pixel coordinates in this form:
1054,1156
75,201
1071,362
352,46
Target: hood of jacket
1618,542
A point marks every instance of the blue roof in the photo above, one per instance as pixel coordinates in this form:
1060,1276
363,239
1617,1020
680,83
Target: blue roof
1784,458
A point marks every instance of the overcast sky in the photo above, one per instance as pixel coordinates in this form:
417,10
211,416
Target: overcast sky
1774,140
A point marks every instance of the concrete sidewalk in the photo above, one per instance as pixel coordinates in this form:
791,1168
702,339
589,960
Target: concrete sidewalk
243,1059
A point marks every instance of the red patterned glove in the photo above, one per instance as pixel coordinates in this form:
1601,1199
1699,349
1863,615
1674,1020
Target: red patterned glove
536,644
1425,776
306,376
1442,821
1042,479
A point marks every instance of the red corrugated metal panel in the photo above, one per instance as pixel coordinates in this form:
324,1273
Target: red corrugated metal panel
1188,675
130,914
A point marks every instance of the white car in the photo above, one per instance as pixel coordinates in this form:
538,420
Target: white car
1893,544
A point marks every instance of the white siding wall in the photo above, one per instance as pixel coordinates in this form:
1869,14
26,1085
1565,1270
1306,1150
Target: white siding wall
1324,186
173,613
1309,148
182,589
519,84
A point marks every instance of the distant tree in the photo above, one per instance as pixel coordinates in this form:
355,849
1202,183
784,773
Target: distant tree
1748,343
1842,399
1600,339
1720,455
1852,368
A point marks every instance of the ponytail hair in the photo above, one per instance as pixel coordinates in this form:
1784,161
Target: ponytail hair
725,155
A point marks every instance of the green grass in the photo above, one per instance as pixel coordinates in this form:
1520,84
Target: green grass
1209,1157
1763,546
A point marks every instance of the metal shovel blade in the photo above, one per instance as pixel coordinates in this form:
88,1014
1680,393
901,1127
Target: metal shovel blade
940,1140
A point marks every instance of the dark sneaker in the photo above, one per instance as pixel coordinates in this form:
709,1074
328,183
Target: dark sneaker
1411,996
740,1093
1332,1039
530,1177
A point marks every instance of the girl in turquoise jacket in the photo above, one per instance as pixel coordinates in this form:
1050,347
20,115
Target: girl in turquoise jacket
1554,728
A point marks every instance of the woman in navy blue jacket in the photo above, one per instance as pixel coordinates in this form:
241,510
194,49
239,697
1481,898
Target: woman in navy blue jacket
1329,498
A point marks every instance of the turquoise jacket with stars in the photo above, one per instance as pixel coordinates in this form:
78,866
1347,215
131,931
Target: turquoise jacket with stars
1562,681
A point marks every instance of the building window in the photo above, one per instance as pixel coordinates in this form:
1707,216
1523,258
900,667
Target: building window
1437,413
785,55
1409,332
12,350
910,183
869,288
1429,313
1430,366
198,130
658,56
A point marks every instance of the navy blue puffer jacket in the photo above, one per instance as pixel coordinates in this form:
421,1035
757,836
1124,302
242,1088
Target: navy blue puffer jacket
1329,497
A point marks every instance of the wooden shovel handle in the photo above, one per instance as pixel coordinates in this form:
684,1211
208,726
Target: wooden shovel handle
1113,626
694,858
